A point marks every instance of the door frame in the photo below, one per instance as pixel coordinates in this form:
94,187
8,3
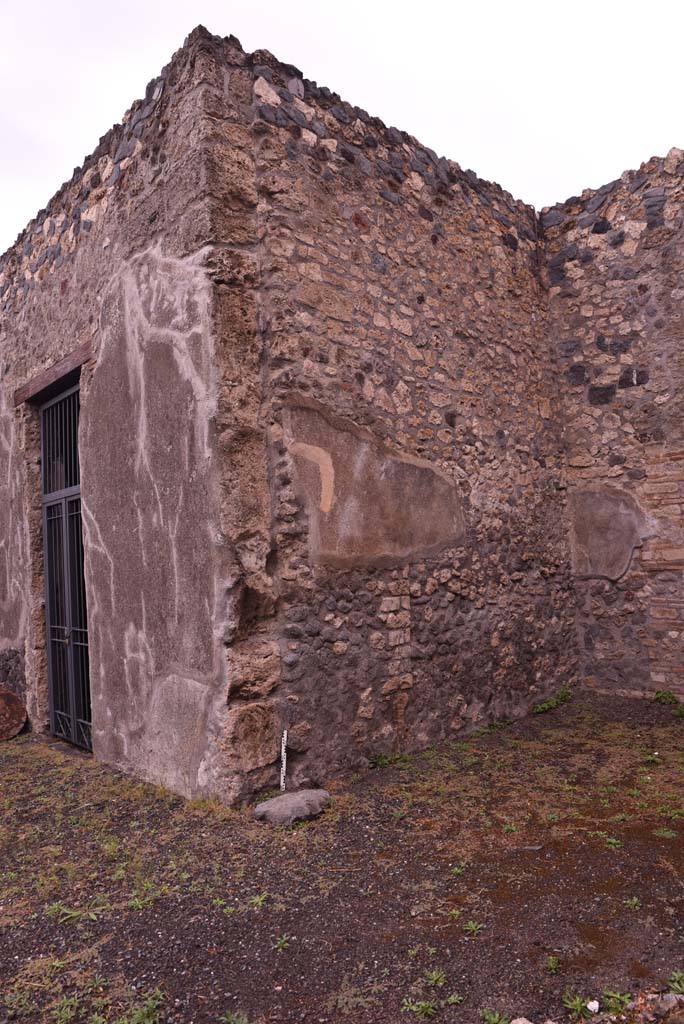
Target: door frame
61,497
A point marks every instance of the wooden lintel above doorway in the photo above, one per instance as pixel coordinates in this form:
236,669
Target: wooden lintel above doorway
44,380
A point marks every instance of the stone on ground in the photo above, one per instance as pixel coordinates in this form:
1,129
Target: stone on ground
12,714
291,807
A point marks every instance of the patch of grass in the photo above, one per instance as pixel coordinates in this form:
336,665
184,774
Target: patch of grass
675,983
493,1017
65,1010
435,978
390,760
610,842
146,1012
577,1006
234,1018
423,1008
665,697
72,915
616,1002
551,703
503,723
665,833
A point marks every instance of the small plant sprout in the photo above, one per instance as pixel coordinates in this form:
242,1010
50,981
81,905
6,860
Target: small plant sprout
423,1008
664,697
258,901
435,978
454,914
551,703
472,927
577,1005
459,868
281,943
234,1018
552,964
454,999
616,1002
492,1017
665,833
633,902
676,983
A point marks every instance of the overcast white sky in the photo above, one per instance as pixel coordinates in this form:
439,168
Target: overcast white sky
545,98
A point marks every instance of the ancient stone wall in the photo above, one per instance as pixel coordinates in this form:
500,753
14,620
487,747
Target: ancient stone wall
119,265
369,451
615,271
419,558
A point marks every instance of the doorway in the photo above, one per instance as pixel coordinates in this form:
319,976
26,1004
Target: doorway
65,596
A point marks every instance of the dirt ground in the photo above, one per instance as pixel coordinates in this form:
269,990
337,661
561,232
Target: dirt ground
481,880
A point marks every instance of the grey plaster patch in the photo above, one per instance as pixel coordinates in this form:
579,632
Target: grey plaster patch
290,807
606,525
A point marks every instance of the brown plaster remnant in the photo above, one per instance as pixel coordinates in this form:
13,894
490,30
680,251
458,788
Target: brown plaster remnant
366,504
606,525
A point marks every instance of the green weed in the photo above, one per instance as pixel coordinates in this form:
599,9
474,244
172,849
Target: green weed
551,703
676,983
424,1008
577,1005
435,978
616,1002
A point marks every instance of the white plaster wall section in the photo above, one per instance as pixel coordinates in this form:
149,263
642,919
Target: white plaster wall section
13,534
149,411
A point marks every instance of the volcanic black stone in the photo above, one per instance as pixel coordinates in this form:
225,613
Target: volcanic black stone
619,346
577,374
627,378
601,394
340,114
595,203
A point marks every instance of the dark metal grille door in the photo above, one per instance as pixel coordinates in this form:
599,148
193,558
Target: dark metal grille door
65,606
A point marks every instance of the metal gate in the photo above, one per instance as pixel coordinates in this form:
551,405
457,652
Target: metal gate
65,599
